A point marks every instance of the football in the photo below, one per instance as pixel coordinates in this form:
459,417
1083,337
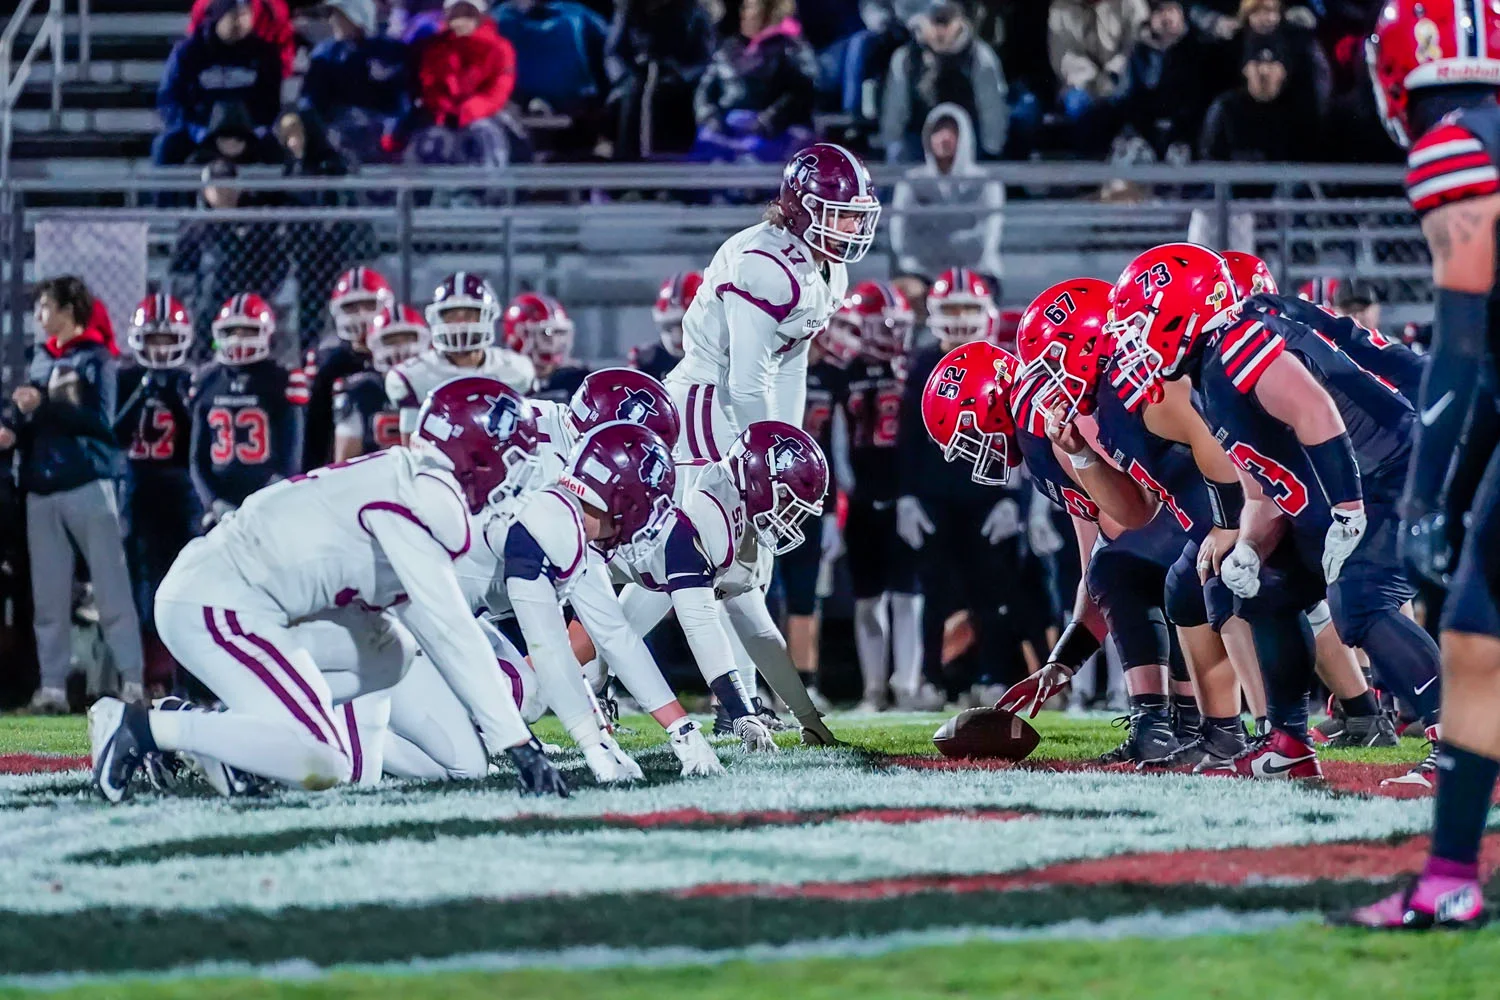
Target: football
986,732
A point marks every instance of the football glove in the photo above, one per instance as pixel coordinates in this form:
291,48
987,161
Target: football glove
1343,536
1240,570
534,772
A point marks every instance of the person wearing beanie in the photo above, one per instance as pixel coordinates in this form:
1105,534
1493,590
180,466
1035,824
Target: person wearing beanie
1263,120
357,81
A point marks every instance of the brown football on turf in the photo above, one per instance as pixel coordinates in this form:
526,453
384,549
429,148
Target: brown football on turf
986,732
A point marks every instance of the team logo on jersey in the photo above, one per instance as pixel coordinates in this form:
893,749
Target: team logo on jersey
785,453
655,466
502,419
636,407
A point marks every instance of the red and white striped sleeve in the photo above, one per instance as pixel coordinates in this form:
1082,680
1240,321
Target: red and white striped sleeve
1247,350
1446,165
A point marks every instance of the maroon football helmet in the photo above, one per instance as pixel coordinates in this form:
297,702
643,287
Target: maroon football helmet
625,394
538,326
358,294
672,303
829,202
782,477
463,290
626,471
483,432
161,332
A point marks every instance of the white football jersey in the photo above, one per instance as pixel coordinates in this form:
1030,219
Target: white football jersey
774,272
553,520
706,547
409,382
556,436
303,543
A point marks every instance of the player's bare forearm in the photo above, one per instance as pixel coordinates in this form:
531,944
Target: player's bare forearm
1288,392
1117,495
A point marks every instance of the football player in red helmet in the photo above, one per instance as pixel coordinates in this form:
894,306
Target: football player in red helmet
358,295
671,305
247,410
961,308
537,326
364,418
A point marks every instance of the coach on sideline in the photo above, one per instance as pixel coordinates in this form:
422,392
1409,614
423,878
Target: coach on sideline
61,420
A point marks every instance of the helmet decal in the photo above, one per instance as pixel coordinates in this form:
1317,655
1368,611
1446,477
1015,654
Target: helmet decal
785,453
503,417
636,406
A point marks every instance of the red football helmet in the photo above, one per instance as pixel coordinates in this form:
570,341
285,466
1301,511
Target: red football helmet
672,303
1430,43
161,332
625,394
881,318
1166,299
396,334
358,294
243,330
626,471
1250,273
480,430
782,477
467,292
1062,344
538,326
1320,291
961,307
966,410
828,200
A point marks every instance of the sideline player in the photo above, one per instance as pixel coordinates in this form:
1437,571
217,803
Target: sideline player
297,585
364,418
538,328
1436,78
671,305
359,294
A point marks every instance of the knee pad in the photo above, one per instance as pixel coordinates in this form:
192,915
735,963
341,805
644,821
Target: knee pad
1320,616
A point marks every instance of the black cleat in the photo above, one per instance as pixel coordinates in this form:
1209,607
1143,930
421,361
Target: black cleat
119,739
1365,731
723,721
1150,738
1214,747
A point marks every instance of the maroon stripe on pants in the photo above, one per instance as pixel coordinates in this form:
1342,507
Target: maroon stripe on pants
264,645
692,406
265,676
354,747
517,689
708,423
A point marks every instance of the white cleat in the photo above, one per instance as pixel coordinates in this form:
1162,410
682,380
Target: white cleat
116,746
697,757
610,764
753,734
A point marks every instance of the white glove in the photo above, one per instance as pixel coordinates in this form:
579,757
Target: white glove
1041,534
693,751
609,763
753,734
1002,522
1344,533
1241,570
833,539
912,523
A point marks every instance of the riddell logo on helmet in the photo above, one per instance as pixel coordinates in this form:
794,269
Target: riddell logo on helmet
572,485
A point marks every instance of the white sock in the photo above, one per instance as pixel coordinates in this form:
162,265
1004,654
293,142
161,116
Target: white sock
271,748
906,642
872,642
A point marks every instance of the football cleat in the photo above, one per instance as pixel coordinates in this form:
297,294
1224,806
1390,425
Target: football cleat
768,715
1332,727
1426,902
48,701
610,764
693,751
752,732
119,740
816,734
1366,731
1279,757
1424,775
1214,747
1149,738
534,772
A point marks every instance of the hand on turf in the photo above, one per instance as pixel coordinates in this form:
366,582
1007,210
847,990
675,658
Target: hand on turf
1348,527
1028,697
1241,570
534,772
610,764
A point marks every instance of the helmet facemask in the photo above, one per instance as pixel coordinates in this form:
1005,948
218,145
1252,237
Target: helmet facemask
353,313
241,342
1057,387
842,231
393,345
989,454
549,342
651,535
959,320
780,528
165,345
454,336
1136,362
841,341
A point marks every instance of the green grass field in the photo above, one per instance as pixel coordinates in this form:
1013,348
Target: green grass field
1294,962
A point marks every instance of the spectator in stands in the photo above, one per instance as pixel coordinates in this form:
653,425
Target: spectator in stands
273,22
656,54
1088,42
1308,74
1163,96
1262,120
958,212
854,69
465,75
357,81
232,136
69,461
756,98
560,71
944,63
222,61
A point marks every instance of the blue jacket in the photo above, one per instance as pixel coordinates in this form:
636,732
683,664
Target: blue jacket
69,440
203,71
370,74
559,53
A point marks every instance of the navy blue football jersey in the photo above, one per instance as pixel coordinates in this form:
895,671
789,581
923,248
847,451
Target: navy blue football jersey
871,401
324,369
1041,460
153,423
560,385
653,359
1388,360
362,409
825,391
247,429
1165,468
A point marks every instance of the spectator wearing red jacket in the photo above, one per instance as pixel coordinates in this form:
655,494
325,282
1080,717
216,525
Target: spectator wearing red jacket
465,76
272,23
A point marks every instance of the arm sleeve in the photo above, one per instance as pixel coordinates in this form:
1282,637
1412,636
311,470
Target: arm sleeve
539,613
763,641
594,601
200,467
439,618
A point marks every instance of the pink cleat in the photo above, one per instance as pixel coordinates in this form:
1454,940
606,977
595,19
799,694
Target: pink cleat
1445,895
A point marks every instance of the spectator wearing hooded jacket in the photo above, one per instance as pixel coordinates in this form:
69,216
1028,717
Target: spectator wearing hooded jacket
656,54
756,98
1088,42
357,82
559,55
1261,121
944,63
1165,94
223,61
465,76
273,22
955,212
69,460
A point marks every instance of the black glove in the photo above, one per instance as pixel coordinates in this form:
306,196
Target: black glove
450,121
535,773
1426,548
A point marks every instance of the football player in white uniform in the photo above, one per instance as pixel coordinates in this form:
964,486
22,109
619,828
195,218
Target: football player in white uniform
364,550
768,291
462,320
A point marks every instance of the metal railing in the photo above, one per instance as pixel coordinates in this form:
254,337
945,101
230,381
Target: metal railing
49,33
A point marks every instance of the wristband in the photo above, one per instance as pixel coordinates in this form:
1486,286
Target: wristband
1227,501
1337,471
1082,460
1075,645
